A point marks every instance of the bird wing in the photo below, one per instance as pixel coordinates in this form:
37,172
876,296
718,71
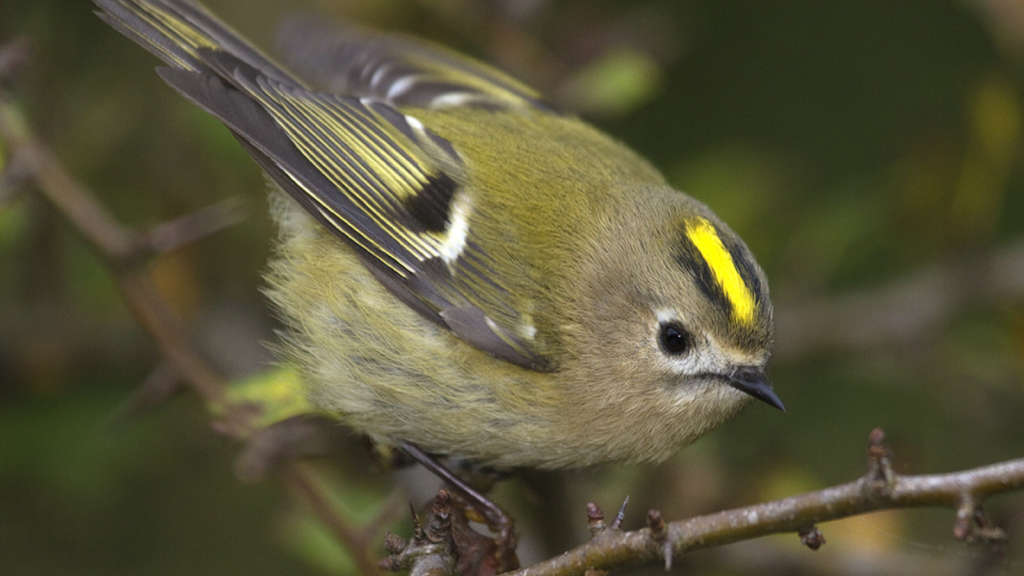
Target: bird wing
374,177
403,71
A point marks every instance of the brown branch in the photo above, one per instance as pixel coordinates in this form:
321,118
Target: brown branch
119,247
879,489
195,226
73,200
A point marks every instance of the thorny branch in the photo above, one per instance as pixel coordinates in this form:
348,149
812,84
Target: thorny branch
125,250
660,542
881,488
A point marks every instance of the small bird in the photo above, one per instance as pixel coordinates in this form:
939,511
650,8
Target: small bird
465,269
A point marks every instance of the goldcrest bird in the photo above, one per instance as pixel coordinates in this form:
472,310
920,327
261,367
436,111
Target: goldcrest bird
464,268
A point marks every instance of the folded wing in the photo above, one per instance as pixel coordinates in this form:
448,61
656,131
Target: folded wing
374,177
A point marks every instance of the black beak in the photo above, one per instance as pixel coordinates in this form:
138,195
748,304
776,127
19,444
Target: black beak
753,381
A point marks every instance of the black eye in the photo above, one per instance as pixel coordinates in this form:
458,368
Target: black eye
674,339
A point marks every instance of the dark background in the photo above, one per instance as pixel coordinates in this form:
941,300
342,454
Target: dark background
855,146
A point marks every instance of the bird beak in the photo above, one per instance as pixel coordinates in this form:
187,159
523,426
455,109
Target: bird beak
752,380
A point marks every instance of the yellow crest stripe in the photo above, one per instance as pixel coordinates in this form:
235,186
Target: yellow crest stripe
704,237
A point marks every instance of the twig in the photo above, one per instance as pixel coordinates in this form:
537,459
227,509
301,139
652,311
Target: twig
191,227
160,385
879,489
119,247
73,200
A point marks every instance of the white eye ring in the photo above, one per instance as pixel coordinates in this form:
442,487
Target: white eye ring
666,315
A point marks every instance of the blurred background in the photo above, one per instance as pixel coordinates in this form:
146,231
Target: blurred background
868,152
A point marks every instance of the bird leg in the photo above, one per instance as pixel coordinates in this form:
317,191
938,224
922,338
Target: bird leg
496,519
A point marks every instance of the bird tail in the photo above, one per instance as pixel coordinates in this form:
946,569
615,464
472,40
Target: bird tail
186,36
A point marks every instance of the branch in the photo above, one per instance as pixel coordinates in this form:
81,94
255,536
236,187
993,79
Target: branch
121,249
879,489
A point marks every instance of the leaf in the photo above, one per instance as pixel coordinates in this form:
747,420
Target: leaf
279,394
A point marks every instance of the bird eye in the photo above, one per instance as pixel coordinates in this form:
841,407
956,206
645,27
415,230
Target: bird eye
674,339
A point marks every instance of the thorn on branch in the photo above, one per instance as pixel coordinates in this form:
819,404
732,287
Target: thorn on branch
659,531
393,543
417,528
973,527
880,459
617,522
812,537
964,520
656,524
439,525
595,519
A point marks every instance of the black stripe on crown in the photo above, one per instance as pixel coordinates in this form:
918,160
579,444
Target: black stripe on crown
747,269
690,259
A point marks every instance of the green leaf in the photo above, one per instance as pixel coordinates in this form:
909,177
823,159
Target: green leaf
279,393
